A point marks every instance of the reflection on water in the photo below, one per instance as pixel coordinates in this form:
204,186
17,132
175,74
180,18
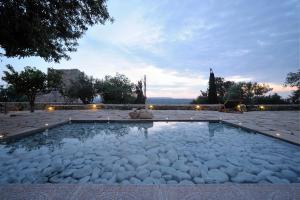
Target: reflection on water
148,153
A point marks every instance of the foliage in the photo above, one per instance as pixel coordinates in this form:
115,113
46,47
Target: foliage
293,79
270,99
140,99
45,28
295,97
82,88
212,90
202,99
115,90
234,93
222,86
9,94
28,82
245,92
253,89
54,79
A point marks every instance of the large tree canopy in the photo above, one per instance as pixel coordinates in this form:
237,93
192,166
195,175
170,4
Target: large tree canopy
31,82
47,28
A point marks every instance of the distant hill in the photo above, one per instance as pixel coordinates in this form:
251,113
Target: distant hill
167,100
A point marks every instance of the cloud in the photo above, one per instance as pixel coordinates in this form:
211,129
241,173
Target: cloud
160,82
262,43
236,53
132,31
194,28
279,88
238,78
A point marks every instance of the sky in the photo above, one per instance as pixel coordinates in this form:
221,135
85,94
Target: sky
175,43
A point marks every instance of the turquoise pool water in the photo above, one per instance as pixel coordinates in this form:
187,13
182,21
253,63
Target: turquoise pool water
149,153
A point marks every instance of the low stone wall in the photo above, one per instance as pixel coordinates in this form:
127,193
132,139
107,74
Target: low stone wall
20,106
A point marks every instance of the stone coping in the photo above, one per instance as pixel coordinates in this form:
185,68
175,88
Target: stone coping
32,131
147,192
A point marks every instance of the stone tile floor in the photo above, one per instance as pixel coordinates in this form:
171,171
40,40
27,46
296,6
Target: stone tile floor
160,192
281,124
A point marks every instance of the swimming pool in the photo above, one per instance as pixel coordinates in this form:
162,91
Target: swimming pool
149,153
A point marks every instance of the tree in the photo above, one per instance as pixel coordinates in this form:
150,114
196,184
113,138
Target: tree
222,87
201,99
140,99
9,94
293,80
212,91
270,99
115,90
82,88
245,92
47,28
28,82
235,93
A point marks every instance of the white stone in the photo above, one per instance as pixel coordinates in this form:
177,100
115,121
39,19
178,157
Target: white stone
142,174
179,165
134,180
274,179
107,175
137,160
288,174
244,177
84,179
125,182
214,164
155,174
194,171
83,172
150,181
182,175
172,182
198,180
264,174
216,176
164,162
95,173
125,175
231,170
186,182
172,155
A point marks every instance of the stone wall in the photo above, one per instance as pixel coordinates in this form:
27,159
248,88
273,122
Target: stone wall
19,106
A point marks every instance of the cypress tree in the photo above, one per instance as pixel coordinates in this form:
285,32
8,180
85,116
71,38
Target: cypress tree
212,91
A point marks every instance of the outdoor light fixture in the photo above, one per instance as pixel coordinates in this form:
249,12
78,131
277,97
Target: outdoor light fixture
198,107
94,106
151,107
277,134
1,136
50,108
261,107
46,124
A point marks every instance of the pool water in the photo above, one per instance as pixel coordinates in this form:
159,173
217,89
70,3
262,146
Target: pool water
149,153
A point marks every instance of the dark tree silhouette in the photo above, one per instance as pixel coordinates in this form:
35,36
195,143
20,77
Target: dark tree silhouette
212,91
47,28
140,99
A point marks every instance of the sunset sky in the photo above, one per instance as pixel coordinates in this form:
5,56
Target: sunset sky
176,42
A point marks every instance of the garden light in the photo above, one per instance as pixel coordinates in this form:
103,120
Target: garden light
50,108
198,107
151,107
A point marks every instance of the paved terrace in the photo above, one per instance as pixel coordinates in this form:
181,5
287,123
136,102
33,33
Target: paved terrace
281,124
